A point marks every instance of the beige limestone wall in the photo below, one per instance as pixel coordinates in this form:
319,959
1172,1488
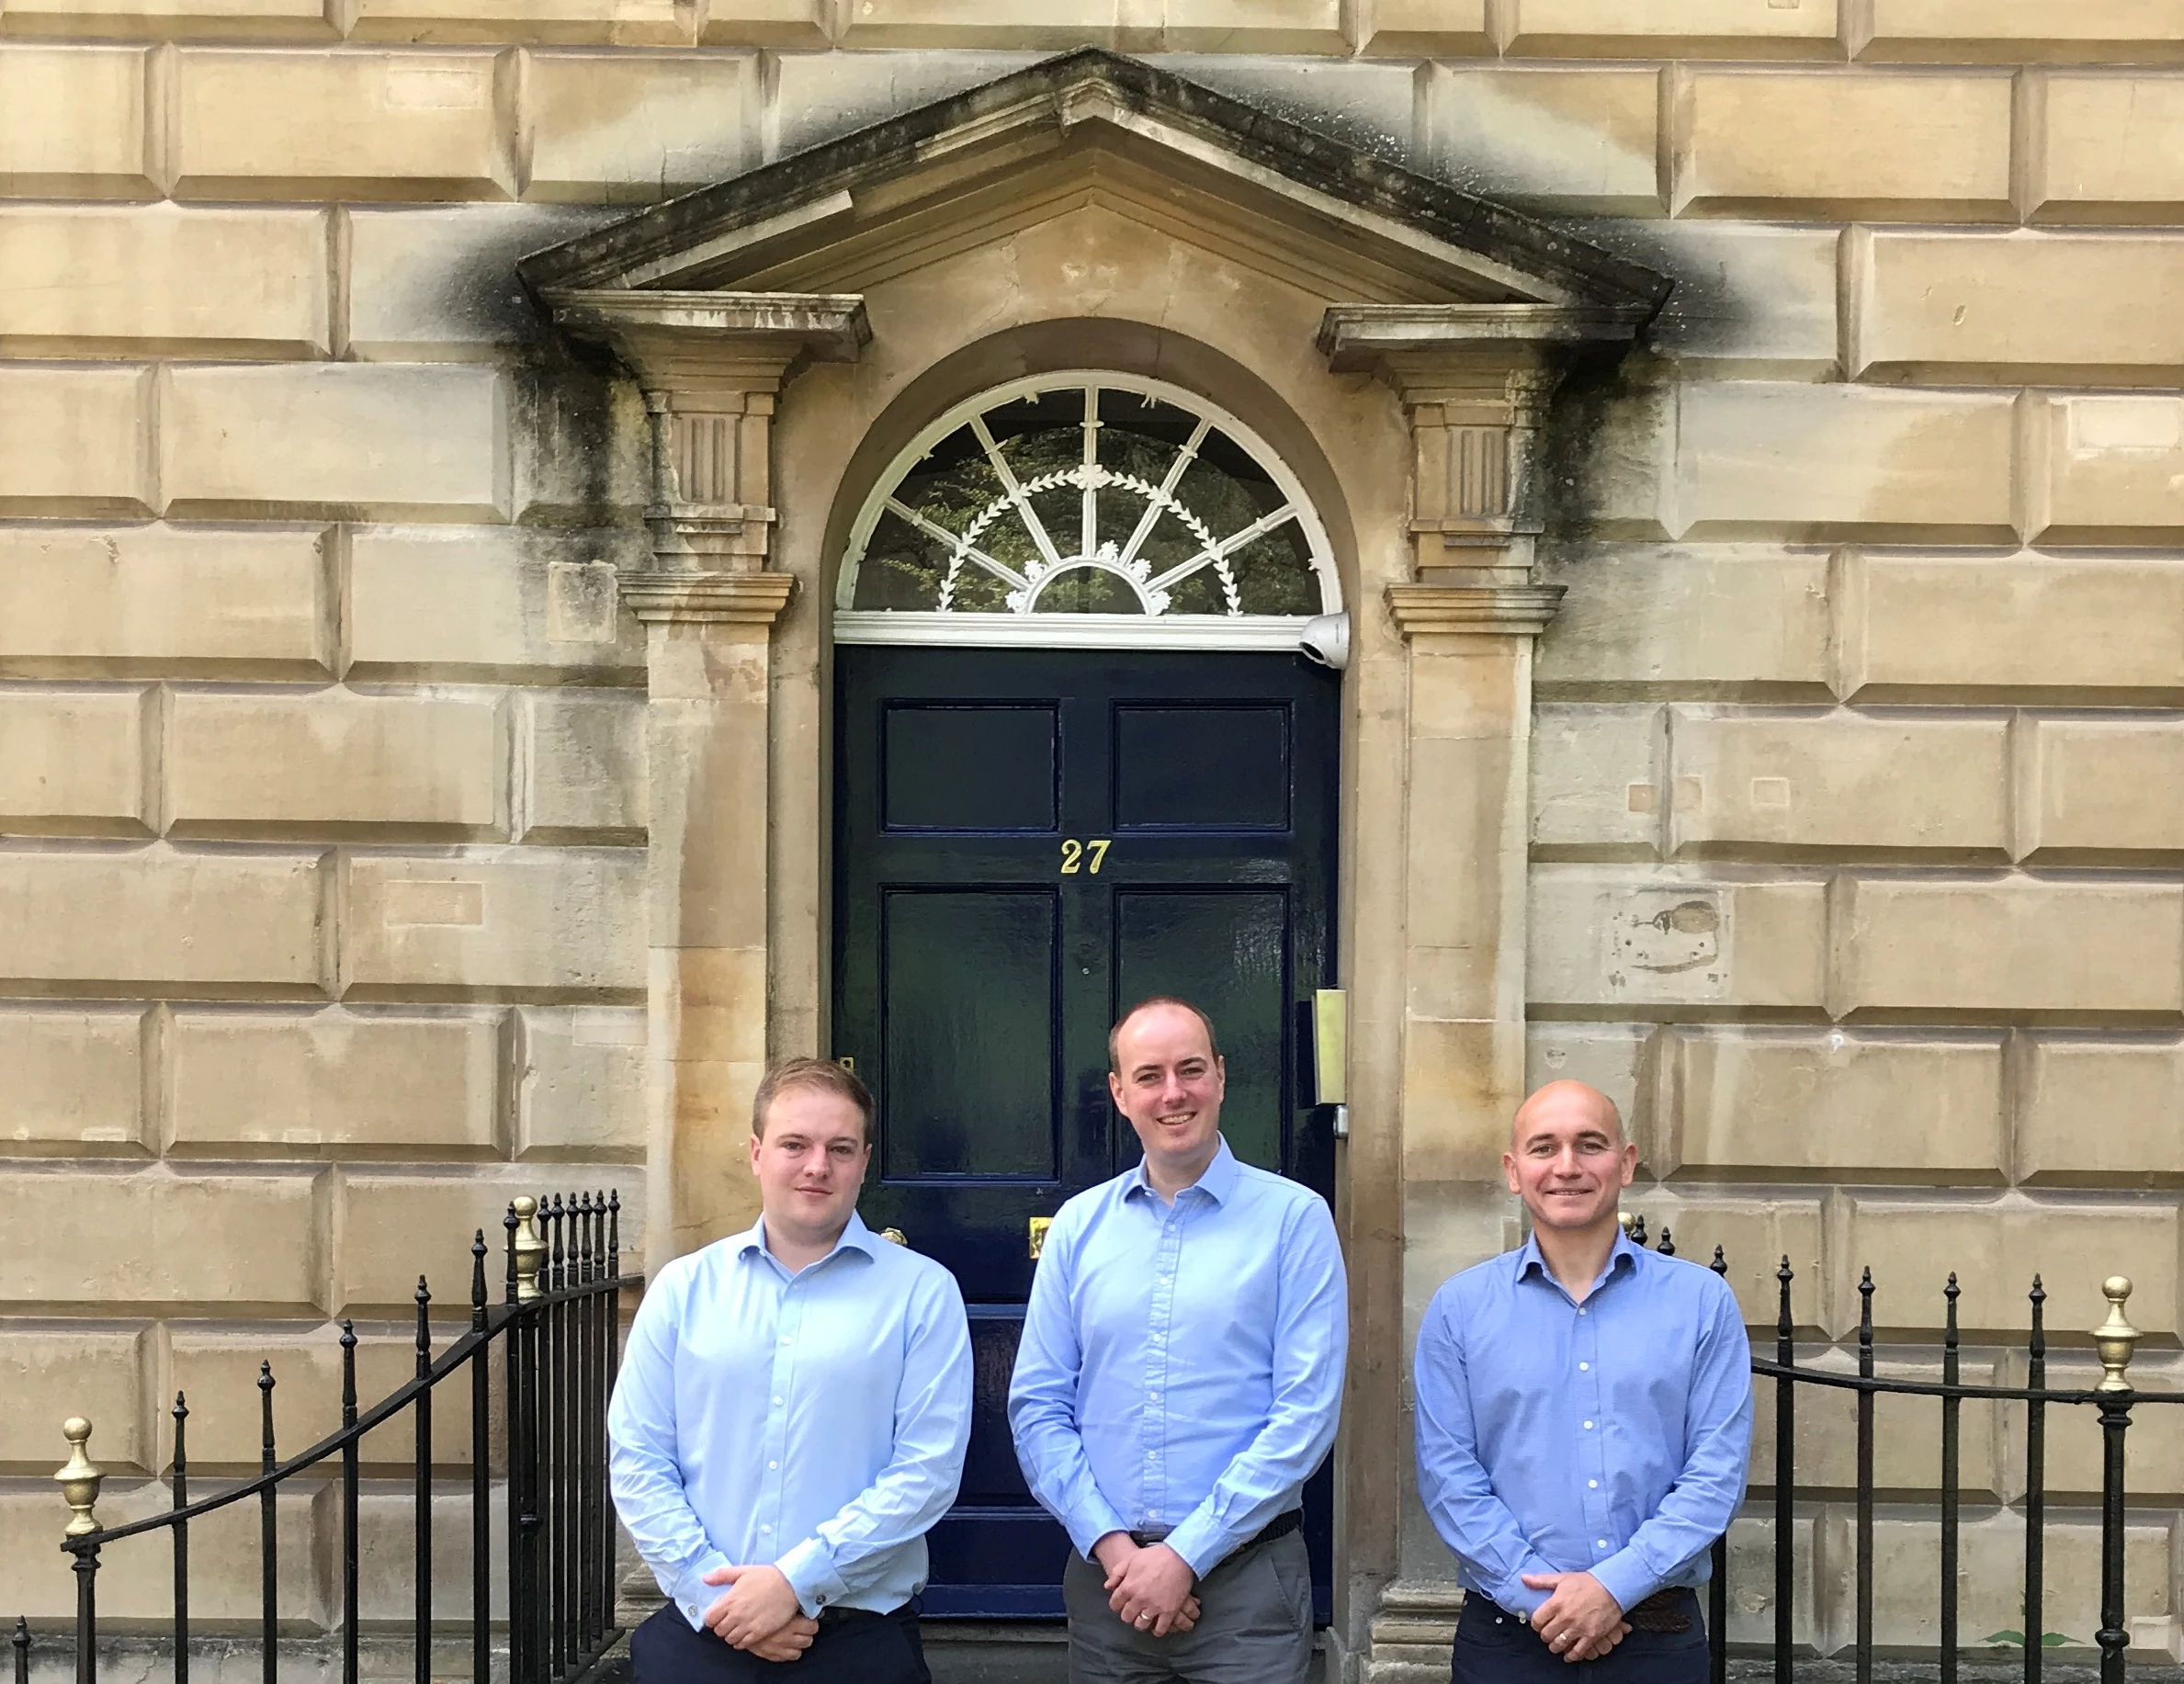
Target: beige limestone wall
322,793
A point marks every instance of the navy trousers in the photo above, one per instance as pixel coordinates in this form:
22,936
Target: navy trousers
1494,1648
849,1649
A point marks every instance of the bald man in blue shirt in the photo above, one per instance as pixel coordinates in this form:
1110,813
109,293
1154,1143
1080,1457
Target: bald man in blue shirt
1584,1422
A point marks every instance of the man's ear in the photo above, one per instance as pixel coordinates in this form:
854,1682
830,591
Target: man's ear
1114,1090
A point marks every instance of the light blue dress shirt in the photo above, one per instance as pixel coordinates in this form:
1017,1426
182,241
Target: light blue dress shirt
1181,1365
816,1421
1609,1437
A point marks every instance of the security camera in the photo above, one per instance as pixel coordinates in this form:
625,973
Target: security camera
1326,641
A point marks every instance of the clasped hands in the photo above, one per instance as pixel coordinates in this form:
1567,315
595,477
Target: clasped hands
760,1613
1147,1585
1580,1620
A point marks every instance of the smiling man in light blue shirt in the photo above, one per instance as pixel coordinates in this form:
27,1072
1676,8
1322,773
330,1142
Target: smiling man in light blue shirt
1179,1379
1584,1420
790,1419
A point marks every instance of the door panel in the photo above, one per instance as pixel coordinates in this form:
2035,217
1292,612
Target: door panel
1028,841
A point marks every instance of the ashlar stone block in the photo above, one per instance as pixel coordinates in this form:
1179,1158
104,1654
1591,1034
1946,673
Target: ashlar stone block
1181,26
2096,1110
249,1084
1437,28
1597,781
2103,790
99,281
73,441
535,923
1806,463
1978,307
768,22
349,441
342,124
628,128
146,600
816,96
2104,469
506,606
580,1077
2154,1460
387,1556
2015,31
73,122
136,1578
1891,146
393,1225
335,763
1771,1103
1836,781
95,1372
2109,148
224,925
2015,945
1755,1234
231,20
439,284
75,1081
74,762
1735,619
119,1243
1572,142
1663,938
584,765
2014,626
614,22
218,1367
1679,29
1996,1246
1906,1433
1753,300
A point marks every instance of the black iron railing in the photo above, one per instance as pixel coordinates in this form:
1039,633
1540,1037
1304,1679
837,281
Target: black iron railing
2113,1398
557,1332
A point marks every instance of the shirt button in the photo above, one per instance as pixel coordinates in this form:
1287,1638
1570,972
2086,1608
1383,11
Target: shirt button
1582,1368
776,1400
1588,1426
1593,1485
1580,1310
785,1339
765,1528
1600,1544
773,1464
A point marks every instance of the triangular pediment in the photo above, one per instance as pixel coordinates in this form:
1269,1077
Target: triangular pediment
1093,129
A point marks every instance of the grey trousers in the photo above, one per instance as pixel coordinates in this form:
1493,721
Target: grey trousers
1254,1625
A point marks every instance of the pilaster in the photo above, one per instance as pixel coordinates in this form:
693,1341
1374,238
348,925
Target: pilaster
1475,383
711,366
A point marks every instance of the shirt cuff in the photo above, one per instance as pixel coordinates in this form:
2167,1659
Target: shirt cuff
1092,1523
1520,1599
692,1594
1626,1578
1201,1542
809,1570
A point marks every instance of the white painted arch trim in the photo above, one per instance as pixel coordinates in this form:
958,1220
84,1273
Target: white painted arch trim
1032,629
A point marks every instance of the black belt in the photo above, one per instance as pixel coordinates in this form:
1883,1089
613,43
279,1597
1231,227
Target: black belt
832,1619
1669,1610
1281,1526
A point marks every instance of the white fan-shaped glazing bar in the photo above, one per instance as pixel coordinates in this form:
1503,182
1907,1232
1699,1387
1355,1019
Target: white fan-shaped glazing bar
1090,476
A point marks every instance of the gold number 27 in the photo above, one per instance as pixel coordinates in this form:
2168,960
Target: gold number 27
1074,853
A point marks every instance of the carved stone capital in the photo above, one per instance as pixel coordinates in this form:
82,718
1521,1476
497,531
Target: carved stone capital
711,365
1501,610
662,596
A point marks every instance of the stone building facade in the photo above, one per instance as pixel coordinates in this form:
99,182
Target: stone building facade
416,674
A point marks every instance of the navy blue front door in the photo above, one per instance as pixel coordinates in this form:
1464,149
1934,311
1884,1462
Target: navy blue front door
1027,841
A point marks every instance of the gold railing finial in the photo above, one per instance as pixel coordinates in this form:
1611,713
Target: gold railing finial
79,1477
2115,1339
1624,1218
530,1248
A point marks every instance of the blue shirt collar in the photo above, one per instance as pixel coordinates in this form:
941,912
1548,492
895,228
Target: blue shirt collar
1623,1255
1217,1183
857,1236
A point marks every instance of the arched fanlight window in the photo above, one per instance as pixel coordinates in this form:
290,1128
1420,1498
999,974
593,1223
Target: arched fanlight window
1087,509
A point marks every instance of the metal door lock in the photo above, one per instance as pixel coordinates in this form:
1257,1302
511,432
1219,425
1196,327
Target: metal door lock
1040,1225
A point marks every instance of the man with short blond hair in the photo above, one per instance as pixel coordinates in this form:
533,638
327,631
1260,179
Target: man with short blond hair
1584,1420
791,1418
1177,1382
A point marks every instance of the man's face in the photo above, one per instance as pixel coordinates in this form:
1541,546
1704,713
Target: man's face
810,1163
1568,1160
1169,1083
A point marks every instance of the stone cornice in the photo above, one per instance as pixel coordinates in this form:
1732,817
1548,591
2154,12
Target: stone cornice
752,599
1357,338
1476,610
749,340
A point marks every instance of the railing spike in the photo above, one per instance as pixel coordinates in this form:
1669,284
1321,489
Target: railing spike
1721,1261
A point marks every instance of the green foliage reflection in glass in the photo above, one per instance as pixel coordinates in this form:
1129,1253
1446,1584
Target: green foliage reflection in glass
1084,499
